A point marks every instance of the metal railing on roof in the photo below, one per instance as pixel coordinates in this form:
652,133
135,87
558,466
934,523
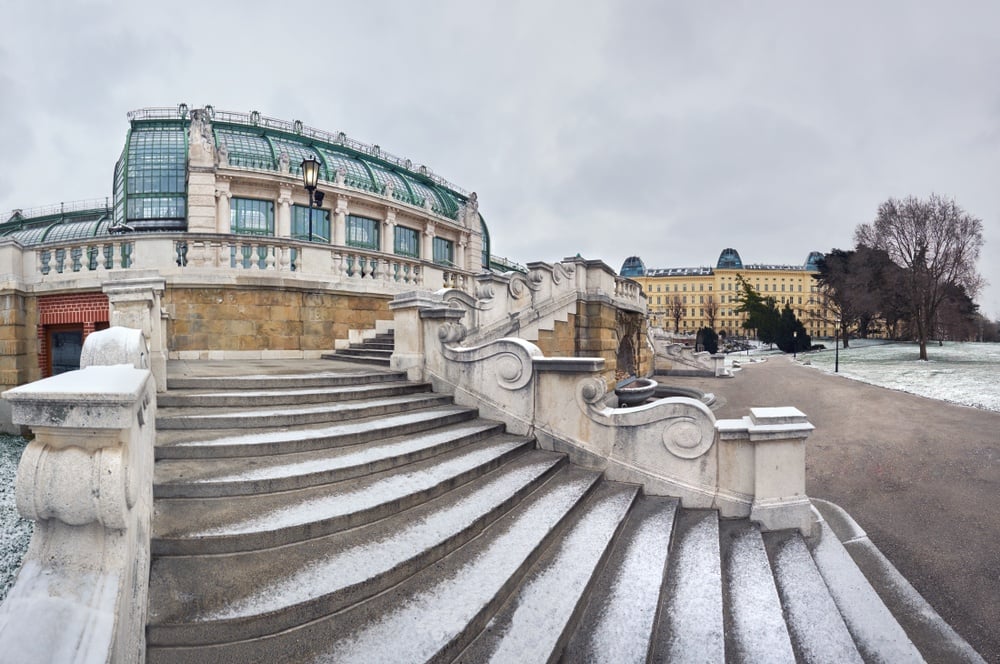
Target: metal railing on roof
60,208
255,119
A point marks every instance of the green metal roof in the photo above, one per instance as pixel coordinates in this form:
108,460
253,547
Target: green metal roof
63,223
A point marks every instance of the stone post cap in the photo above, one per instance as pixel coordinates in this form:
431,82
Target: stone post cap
115,345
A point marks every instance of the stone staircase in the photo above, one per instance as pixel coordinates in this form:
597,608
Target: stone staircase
350,516
375,350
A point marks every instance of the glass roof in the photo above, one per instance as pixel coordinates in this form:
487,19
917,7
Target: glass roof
63,229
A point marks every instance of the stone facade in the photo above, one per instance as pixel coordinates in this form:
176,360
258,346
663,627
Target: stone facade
204,322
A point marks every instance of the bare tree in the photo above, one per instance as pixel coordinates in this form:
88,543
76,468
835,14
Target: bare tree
936,243
711,310
676,311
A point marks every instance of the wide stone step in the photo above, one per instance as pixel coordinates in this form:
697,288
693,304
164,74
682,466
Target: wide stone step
191,444
214,477
205,418
437,610
814,623
194,526
379,358
535,623
374,344
691,627
247,398
876,632
755,624
282,381
200,600
618,623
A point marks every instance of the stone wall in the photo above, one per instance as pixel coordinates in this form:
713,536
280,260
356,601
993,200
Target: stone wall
18,352
258,319
598,331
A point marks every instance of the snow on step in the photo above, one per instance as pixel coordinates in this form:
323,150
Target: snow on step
336,430
337,461
876,632
306,391
618,625
534,621
692,624
814,622
258,414
359,563
758,632
380,492
416,628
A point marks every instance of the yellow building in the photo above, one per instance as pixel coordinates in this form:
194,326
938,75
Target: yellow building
689,298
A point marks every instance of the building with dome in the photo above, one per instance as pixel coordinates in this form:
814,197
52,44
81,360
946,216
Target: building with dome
241,260
706,296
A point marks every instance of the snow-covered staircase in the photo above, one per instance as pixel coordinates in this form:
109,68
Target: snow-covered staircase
350,516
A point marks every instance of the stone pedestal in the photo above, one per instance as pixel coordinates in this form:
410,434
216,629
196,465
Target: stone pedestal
135,303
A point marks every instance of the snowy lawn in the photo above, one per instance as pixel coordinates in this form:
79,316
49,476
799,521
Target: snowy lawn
15,532
962,373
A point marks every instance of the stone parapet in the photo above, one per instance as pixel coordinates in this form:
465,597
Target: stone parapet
86,479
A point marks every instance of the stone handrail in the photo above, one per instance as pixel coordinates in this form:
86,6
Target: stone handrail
681,360
511,303
218,257
753,467
86,480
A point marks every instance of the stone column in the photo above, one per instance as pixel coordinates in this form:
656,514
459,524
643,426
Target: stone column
427,251
223,223
408,354
461,260
283,226
339,234
388,231
135,303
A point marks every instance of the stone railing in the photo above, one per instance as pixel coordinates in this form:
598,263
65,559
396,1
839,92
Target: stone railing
514,303
222,258
753,467
676,359
86,480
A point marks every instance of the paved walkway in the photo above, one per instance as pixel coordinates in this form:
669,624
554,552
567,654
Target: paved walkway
921,476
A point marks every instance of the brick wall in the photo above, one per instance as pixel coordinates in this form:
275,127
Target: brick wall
88,310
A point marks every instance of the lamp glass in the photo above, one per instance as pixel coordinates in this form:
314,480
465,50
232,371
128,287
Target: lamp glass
310,172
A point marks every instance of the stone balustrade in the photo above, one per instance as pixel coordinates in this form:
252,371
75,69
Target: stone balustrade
86,480
675,446
221,259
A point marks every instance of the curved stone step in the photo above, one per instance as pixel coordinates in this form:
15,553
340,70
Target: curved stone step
435,611
215,477
249,398
295,584
755,624
691,627
281,381
186,444
189,418
536,621
618,623
815,625
196,526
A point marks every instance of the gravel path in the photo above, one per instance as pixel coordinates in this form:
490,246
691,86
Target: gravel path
921,476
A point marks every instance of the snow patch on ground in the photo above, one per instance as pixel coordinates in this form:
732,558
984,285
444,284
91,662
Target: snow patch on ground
695,609
15,532
962,373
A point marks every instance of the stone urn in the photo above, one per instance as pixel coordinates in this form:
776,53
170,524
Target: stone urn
634,391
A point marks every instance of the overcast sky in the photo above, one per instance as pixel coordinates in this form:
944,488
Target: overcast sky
669,130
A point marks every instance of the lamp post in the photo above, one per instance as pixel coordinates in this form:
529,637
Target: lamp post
795,344
310,177
836,346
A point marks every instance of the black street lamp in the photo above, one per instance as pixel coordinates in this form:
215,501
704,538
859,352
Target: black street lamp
795,344
310,177
836,346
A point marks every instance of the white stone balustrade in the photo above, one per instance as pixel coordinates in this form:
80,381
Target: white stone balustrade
219,258
86,479
754,467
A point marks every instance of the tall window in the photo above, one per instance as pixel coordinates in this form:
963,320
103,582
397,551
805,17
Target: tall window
362,232
406,242
320,224
444,251
248,216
